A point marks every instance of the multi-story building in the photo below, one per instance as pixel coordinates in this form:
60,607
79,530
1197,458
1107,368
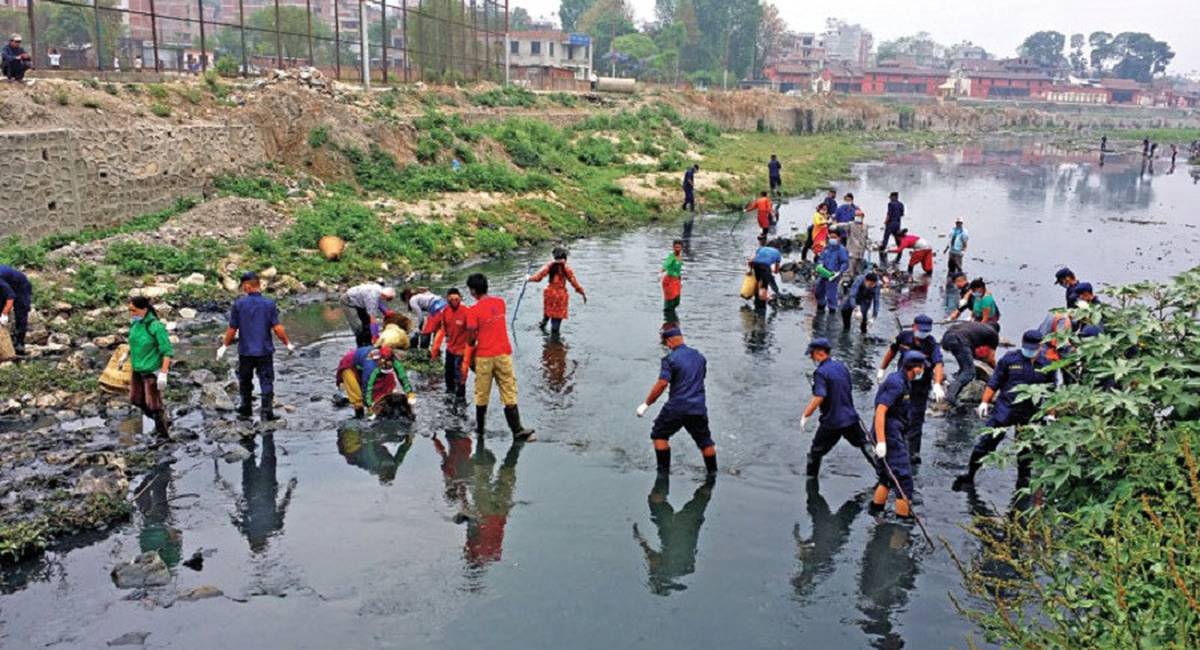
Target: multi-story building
551,49
849,43
893,78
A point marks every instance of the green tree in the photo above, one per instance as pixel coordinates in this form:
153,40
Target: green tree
771,31
664,12
1100,44
293,45
569,12
728,33
1078,61
638,50
71,27
920,47
1141,56
438,37
519,20
604,20
1044,48
1107,557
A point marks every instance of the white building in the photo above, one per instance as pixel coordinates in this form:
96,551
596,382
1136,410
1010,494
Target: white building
548,48
849,43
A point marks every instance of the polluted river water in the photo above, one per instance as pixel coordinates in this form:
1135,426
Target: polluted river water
335,533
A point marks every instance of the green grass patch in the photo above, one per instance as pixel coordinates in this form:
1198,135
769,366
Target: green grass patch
507,96
250,187
160,110
137,259
1178,136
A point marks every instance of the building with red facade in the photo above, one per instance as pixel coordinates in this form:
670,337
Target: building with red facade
897,79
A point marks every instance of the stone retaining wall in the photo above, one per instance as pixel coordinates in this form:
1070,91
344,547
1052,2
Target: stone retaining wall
67,179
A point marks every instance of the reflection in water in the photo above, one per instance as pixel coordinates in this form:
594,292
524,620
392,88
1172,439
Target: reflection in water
366,449
558,372
157,532
889,573
678,535
830,532
260,509
491,501
756,330
455,461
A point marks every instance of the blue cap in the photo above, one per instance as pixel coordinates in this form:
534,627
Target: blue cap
670,331
1089,331
912,358
1084,287
924,324
1063,273
818,344
249,276
1031,338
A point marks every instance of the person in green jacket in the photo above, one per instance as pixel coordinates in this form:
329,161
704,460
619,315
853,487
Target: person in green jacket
150,352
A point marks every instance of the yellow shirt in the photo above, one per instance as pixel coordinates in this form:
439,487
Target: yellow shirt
819,219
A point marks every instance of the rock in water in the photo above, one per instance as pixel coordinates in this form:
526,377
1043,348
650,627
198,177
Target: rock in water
129,638
235,453
216,397
202,376
147,570
200,593
394,406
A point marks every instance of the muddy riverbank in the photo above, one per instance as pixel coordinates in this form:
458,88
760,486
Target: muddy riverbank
326,532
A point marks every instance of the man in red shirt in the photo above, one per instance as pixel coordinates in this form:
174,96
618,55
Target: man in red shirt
764,207
487,336
450,324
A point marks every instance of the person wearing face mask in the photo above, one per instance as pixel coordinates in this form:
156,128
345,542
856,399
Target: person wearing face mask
450,324
929,381
370,373
1066,279
832,263
844,216
832,394
958,296
683,370
983,304
150,353
1022,367
893,408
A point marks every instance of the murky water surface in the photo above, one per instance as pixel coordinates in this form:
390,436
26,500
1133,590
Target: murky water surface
339,535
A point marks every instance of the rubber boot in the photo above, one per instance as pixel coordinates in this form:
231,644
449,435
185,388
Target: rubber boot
245,410
542,325
967,481
512,415
268,407
161,425
846,314
813,468
710,464
903,509
879,499
19,344
480,420
359,413
662,458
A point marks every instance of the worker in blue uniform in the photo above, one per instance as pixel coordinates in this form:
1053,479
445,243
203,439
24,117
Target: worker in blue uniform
1024,367
833,394
835,260
863,294
920,339
1065,278
689,188
893,406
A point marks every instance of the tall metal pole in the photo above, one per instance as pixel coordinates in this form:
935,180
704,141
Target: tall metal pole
203,46
383,28
507,49
153,33
337,41
32,29
404,38
242,23
364,45
278,39
99,48
308,9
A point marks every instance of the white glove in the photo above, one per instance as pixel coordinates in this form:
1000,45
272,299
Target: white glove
939,393
221,352
3,319
161,380
121,361
1050,418
879,374
984,409
803,422
881,450
371,417
642,408
291,348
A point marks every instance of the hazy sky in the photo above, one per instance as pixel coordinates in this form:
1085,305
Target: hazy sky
999,26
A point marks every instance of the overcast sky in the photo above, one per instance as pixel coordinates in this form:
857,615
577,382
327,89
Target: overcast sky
997,26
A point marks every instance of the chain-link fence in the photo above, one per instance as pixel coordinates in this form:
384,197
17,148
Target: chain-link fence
407,40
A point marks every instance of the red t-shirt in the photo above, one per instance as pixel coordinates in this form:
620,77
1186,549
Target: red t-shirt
454,322
486,320
764,207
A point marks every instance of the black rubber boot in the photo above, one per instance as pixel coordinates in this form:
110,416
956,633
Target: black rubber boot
813,468
710,464
513,415
19,344
480,420
967,481
245,410
662,458
161,425
268,407
542,325
359,413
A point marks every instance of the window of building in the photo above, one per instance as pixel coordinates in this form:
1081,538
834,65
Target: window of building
535,47
514,47
551,49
